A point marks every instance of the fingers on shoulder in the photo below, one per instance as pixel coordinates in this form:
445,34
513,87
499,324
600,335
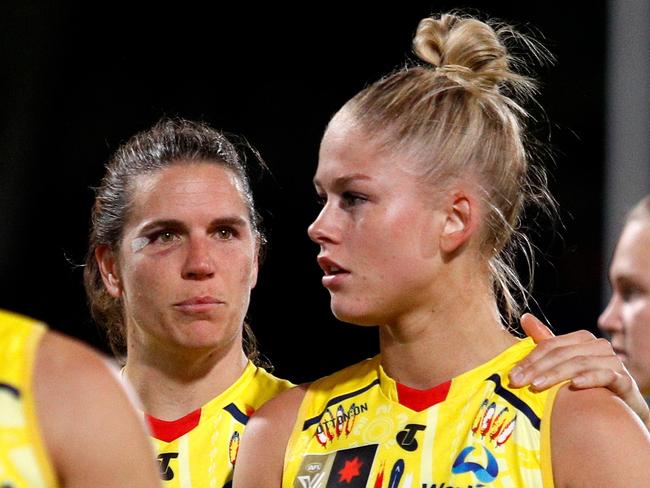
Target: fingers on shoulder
563,345
563,360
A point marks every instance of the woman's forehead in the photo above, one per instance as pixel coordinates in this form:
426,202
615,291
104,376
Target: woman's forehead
188,188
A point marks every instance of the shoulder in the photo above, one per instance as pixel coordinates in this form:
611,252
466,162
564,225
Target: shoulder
354,377
84,412
67,369
595,430
280,411
74,385
58,356
265,440
268,432
269,381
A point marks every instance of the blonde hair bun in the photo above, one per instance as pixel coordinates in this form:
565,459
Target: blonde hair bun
468,50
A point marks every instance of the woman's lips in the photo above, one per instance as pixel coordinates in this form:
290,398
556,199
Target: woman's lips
200,304
334,273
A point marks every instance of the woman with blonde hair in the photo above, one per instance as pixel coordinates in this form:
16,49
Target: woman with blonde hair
424,176
627,316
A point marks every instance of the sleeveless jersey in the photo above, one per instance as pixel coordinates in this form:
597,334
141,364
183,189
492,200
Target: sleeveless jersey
199,450
23,457
359,428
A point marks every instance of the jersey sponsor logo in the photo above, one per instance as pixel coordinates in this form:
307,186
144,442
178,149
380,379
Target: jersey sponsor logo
166,471
332,427
447,485
348,468
494,422
406,438
485,474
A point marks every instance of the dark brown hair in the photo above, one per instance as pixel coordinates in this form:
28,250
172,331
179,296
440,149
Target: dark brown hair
169,142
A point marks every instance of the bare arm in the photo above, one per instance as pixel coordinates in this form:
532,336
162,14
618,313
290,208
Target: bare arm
261,454
587,361
92,433
597,441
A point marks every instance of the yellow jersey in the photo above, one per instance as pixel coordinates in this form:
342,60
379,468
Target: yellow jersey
200,449
24,461
359,428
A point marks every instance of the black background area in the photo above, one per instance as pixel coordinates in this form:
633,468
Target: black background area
78,80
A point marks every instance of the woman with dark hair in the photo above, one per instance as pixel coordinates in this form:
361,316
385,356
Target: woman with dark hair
424,176
173,256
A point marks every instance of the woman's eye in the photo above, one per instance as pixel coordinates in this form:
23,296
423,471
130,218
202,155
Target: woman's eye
628,293
351,199
321,200
225,233
165,237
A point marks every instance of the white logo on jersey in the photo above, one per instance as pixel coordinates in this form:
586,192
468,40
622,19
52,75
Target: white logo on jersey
314,481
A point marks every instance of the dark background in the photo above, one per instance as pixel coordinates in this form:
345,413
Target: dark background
77,81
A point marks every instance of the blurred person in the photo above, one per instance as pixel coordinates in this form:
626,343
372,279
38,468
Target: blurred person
589,362
626,319
65,421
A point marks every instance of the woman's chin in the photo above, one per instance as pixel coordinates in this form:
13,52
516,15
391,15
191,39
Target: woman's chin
353,316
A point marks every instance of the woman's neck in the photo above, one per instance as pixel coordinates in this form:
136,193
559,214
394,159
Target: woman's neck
433,344
171,384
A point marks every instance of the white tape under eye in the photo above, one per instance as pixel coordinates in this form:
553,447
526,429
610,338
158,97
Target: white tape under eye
139,243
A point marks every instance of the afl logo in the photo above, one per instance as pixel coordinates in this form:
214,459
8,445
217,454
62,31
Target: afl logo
233,447
310,468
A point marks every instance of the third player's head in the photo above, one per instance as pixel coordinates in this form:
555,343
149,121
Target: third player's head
627,316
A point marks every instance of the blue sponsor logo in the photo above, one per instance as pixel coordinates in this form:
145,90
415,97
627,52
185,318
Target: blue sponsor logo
485,474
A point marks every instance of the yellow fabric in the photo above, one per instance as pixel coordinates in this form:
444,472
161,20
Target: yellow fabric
352,431
23,458
204,457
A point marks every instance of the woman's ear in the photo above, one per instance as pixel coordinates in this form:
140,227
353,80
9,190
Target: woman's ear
461,220
108,269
